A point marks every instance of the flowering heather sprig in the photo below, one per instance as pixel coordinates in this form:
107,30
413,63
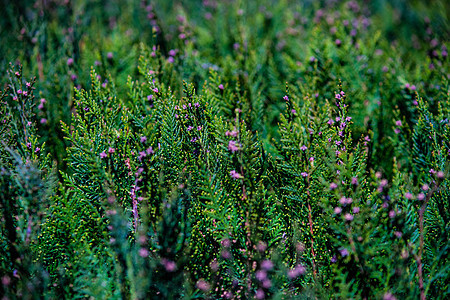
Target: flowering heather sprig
233,133
307,181
233,146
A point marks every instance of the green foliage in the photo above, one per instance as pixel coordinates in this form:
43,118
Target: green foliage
224,149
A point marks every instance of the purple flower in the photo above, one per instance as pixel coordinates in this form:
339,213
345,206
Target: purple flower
170,265
142,154
304,174
297,271
344,252
231,133
300,269
337,210
421,196
398,123
149,150
260,294
109,55
70,61
221,87
261,275
355,209
389,296
235,174
348,217
155,90
233,146
37,150
267,284
261,246
143,139
333,186
43,121
267,265
203,285
286,98
226,254
143,252
226,243
111,150
303,148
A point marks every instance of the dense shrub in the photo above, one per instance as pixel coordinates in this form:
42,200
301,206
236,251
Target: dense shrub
224,149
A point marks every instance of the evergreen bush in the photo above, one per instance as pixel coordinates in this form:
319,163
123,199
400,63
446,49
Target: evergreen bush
224,150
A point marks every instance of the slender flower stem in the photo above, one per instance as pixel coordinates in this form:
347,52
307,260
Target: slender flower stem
310,221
